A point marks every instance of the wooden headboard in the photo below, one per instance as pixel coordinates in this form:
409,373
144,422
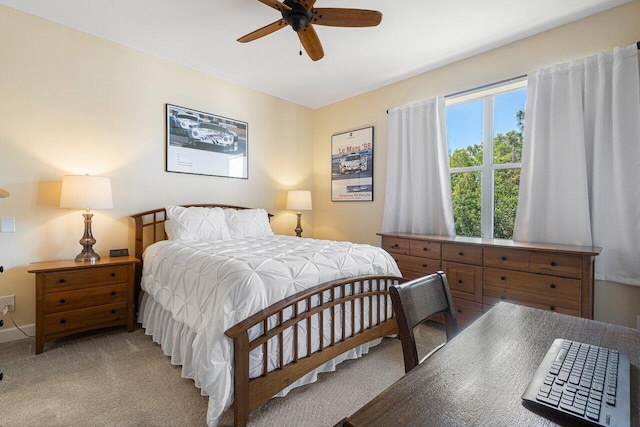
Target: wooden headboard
150,229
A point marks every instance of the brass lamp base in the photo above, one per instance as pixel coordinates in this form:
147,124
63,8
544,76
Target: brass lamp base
87,242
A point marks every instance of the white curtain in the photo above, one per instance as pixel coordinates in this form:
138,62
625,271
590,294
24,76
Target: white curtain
580,181
418,189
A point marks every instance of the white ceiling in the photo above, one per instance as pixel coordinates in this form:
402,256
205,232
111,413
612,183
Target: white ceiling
415,36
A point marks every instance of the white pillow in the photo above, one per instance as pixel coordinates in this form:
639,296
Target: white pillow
244,223
197,223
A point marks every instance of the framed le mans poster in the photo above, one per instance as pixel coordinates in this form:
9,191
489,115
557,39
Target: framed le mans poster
352,166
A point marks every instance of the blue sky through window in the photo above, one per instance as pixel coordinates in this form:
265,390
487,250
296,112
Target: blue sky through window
464,121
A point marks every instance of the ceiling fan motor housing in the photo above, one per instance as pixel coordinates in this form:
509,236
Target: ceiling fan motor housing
297,17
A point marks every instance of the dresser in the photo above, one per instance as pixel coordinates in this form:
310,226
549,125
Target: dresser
483,272
73,297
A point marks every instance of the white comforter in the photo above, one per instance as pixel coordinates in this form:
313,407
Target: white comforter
209,287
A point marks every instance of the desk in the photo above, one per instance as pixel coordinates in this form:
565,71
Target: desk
478,377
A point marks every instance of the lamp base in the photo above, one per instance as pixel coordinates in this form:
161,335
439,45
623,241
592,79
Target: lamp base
298,229
87,256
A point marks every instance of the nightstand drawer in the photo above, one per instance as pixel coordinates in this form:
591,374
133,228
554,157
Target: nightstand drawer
468,254
86,318
73,300
84,278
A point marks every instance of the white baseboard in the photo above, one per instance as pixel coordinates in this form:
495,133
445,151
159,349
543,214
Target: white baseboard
11,334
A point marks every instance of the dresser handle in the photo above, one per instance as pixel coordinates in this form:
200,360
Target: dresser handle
502,297
62,280
113,312
552,286
503,278
424,265
63,321
460,253
504,258
459,280
459,310
62,301
552,308
395,245
553,263
113,274
114,292
425,249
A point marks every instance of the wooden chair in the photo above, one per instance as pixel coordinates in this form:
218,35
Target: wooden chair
413,303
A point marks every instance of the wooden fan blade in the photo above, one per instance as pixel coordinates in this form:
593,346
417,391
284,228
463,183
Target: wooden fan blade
261,32
336,17
275,4
309,39
307,4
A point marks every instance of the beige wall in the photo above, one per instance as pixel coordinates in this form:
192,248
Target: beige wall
71,103
359,221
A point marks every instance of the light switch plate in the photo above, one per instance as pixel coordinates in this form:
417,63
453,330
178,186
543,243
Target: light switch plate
8,225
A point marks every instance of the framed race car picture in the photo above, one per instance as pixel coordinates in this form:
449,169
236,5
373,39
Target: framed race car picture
352,166
205,144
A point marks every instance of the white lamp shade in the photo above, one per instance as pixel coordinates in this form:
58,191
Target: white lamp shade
86,192
299,200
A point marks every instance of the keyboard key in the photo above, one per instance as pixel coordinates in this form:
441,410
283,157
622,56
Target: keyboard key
572,409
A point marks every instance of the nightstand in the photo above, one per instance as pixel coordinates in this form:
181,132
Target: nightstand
73,297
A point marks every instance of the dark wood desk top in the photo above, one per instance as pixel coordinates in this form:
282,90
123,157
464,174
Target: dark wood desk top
477,379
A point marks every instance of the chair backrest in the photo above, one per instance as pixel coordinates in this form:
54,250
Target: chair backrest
413,303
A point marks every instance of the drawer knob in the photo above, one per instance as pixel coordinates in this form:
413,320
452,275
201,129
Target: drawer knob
425,249
552,308
459,280
503,278
114,292
62,280
424,265
459,310
113,274
395,245
504,258
460,253
552,286
113,312
62,301
553,263
502,297
63,321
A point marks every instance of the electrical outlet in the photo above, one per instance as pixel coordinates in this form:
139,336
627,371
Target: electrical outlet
10,301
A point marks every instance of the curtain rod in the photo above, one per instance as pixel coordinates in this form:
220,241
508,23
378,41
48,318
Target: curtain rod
462,92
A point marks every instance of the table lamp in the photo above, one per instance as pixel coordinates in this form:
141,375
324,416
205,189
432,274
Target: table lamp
299,200
86,192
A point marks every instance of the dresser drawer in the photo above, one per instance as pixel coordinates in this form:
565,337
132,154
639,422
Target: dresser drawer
73,300
86,318
395,245
492,295
88,277
506,258
413,267
539,284
556,264
468,254
466,311
465,281
424,249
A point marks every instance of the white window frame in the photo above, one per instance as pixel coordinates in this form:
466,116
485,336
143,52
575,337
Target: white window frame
488,168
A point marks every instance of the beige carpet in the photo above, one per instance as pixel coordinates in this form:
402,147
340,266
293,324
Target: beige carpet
112,378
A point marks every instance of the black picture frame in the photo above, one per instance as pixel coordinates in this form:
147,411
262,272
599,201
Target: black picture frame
203,143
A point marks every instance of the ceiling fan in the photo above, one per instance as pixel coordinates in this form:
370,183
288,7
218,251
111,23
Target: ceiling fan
301,16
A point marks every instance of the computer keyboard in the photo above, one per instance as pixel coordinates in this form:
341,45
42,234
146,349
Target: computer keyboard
588,382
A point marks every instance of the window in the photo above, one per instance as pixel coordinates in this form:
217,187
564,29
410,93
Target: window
484,130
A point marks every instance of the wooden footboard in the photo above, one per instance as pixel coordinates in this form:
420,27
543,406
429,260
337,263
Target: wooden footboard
360,306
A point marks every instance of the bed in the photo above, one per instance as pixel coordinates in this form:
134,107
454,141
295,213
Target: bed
249,315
